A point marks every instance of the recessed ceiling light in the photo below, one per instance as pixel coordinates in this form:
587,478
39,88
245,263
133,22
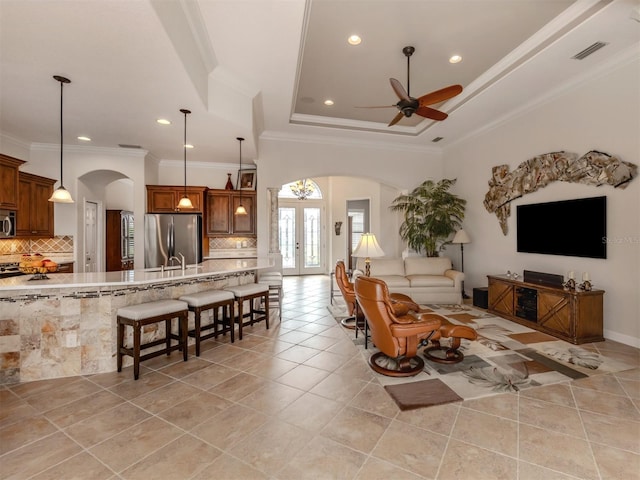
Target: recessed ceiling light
354,40
84,139
163,121
188,145
455,59
328,103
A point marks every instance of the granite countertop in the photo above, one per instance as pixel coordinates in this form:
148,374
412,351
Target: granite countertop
135,277
56,257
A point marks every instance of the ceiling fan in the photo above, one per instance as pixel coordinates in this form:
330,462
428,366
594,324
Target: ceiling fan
409,105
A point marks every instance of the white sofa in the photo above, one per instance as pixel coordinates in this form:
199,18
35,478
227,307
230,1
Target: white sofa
424,279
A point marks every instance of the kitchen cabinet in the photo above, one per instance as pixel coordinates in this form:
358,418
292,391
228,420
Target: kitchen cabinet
35,211
165,198
119,240
9,181
221,218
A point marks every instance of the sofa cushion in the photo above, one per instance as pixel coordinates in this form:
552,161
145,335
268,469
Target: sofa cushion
430,281
426,265
393,281
383,266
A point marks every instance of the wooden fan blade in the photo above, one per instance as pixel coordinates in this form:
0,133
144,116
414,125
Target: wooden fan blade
440,95
432,113
396,119
399,89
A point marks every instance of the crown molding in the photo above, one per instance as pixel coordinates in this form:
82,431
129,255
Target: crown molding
14,140
120,152
203,165
345,142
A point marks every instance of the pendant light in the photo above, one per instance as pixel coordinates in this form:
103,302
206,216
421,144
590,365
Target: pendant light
184,201
240,210
61,194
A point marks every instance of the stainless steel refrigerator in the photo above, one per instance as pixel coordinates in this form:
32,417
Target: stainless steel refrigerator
167,235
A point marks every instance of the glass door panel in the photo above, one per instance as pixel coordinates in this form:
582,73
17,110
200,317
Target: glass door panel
288,247
301,239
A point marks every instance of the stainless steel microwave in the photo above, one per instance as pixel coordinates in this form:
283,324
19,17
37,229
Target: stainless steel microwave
7,224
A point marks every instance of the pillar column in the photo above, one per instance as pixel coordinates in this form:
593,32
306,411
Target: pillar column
274,240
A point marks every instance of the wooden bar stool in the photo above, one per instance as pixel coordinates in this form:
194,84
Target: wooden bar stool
250,292
137,316
274,280
211,300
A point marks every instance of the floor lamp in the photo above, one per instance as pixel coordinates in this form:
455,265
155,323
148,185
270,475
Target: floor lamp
461,237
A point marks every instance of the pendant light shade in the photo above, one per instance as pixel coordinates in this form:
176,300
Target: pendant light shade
61,194
185,202
240,210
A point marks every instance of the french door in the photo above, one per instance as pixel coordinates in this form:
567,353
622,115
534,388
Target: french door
301,237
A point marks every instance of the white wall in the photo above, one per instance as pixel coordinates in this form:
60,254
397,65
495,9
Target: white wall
284,160
87,173
599,114
384,224
212,175
119,195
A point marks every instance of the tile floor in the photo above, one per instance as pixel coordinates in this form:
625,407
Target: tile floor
298,401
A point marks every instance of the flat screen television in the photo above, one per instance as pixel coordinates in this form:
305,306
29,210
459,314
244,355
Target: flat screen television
575,228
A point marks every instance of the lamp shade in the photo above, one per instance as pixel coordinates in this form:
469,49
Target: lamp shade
61,195
461,237
185,202
368,247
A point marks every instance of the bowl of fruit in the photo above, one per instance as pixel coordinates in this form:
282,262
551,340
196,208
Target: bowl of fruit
37,265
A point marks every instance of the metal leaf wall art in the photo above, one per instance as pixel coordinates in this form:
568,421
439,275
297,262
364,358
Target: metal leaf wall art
592,168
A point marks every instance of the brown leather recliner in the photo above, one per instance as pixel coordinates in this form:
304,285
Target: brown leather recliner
393,331
349,295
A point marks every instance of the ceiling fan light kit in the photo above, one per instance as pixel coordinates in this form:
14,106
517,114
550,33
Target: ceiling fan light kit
409,105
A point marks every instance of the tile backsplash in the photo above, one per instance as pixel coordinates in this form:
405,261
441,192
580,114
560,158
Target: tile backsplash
230,242
58,245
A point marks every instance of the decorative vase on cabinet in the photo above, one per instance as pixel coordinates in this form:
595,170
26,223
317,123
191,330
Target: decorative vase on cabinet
229,185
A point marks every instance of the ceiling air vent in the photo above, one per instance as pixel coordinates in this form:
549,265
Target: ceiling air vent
437,139
124,145
589,50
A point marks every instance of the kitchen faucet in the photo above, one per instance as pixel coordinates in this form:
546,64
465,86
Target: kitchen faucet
181,260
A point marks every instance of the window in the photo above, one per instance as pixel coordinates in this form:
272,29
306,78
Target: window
287,190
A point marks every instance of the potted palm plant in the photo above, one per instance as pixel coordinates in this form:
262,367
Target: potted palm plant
431,214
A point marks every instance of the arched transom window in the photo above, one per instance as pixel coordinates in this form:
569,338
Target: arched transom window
301,190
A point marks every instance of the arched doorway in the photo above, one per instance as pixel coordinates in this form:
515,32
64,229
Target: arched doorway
301,215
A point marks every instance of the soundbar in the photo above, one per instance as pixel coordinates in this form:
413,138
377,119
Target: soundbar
540,278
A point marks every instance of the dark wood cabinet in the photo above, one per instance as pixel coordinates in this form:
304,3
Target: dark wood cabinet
165,198
218,213
244,225
119,240
221,218
35,211
572,315
9,185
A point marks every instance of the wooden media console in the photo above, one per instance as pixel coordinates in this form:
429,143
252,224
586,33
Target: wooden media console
571,315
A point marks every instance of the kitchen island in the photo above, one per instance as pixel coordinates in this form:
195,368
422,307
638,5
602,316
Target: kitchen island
66,325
